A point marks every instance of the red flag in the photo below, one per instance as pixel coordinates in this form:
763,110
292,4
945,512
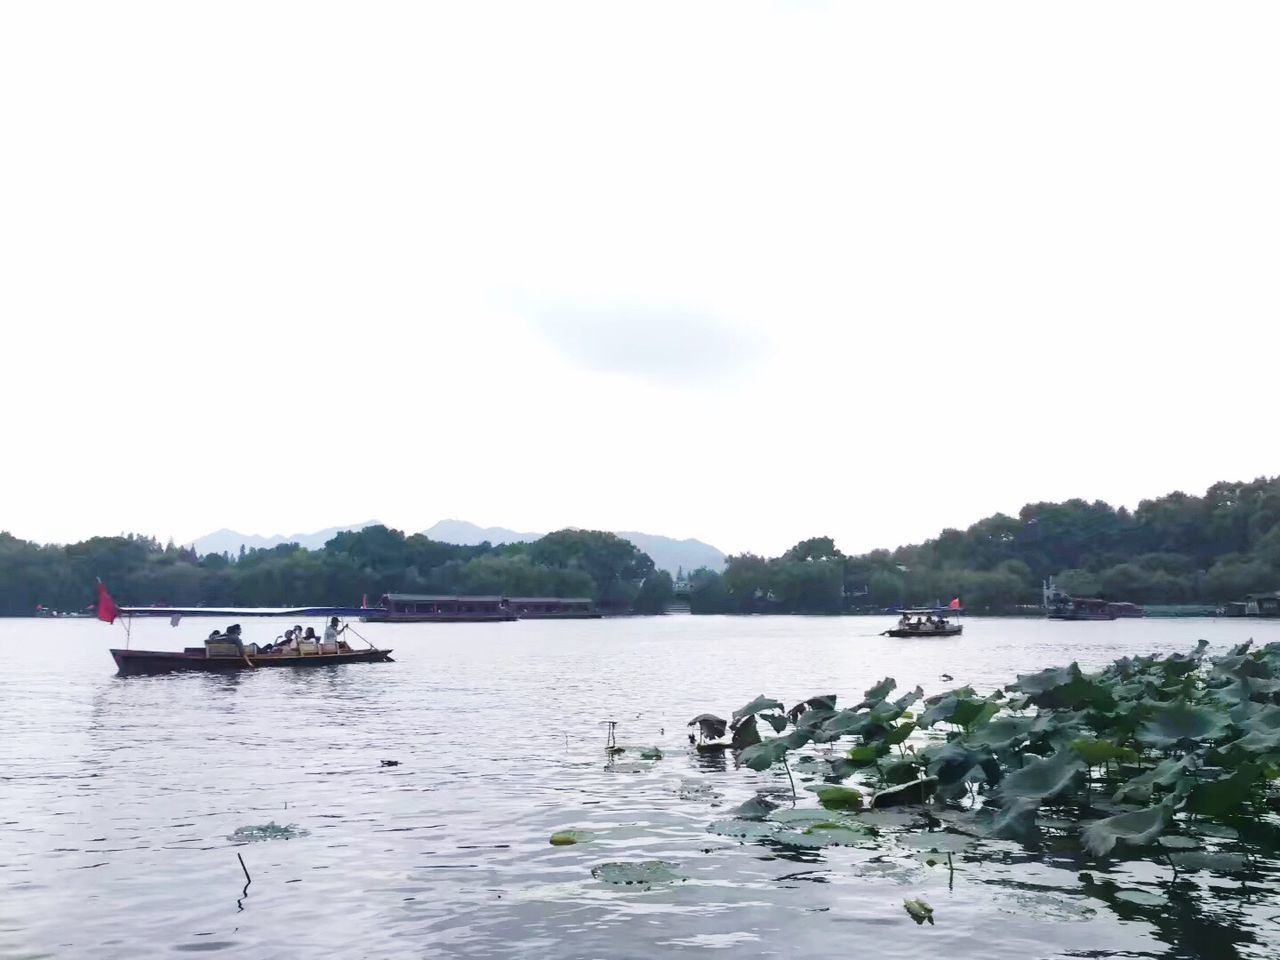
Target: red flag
954,604
107,609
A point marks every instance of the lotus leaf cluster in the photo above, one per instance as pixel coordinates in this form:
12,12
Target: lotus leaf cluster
1128,754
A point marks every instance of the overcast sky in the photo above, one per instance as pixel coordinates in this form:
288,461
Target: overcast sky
742,272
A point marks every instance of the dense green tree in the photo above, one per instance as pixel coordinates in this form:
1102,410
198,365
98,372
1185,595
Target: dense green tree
655,593
707,592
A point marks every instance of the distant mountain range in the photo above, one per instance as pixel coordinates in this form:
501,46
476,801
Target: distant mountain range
667,553
229,541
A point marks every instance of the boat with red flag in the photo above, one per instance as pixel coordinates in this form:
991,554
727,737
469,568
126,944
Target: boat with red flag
226,650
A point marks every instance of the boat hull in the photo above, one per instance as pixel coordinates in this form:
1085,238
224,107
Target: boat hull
1081,615
135,662
903,634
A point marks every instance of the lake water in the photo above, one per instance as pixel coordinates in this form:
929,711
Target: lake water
120,797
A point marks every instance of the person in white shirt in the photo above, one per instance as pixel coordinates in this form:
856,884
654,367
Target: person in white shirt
333,631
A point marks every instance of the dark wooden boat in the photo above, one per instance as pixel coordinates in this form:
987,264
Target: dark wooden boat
946,630
941,627
134,662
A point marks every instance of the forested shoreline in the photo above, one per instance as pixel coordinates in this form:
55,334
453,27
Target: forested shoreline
1178,549
377,560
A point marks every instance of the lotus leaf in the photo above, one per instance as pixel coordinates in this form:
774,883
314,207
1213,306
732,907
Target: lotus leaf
757,808
1259,741
1042,779
650,753
918,910
800,818
745,733
815,717
829,834
758,705
1214,861
709,725
266,831
1097,752
642,872
907,699
1140,897
1165,774
1181,722
1134,829
899,733
797,738
1002,733
743,829
955,762
1016,820
779,723
828,702
878,692
763,755
1215,798
847,722
840,798
917,791
565,838
938,842
867,754
901,771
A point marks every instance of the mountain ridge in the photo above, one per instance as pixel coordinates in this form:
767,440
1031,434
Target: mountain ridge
667,553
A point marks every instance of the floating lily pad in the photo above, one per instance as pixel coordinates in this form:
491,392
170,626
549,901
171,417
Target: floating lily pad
799,817
918,910
743,829
1135,829
696,790
266,831
938,842
1206,860
565,838
1141,898
840,798
650,753
639,872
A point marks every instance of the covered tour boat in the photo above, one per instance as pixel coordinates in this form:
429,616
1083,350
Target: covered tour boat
223,652
928,622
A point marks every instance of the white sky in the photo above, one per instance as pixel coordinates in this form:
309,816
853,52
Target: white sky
694,269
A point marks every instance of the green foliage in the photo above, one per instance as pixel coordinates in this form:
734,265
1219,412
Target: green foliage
1091,734
376,560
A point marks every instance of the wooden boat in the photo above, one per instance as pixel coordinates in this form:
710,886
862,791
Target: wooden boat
205,660
920,627
226,652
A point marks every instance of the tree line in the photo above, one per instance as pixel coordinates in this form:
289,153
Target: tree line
1177,549
139,571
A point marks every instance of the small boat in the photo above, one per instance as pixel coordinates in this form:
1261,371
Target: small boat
220,658
936,626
